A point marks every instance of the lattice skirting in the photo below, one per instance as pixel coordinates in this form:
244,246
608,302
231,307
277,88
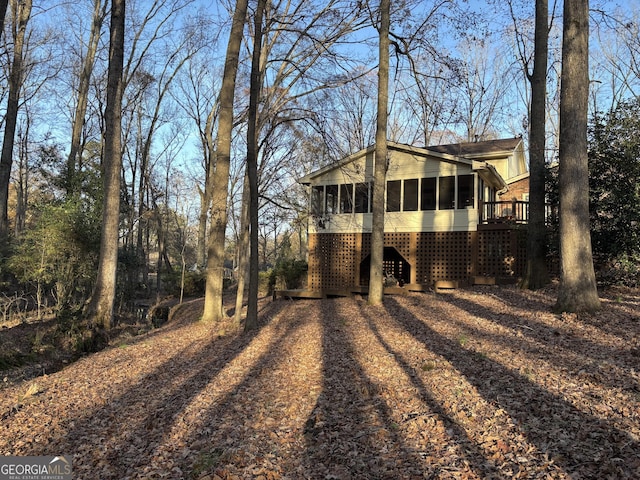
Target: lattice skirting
342,260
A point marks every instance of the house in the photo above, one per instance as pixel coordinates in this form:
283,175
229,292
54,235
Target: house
453,213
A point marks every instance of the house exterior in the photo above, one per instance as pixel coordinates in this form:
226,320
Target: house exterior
453,213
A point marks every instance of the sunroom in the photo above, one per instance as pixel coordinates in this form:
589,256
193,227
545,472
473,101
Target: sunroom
435,201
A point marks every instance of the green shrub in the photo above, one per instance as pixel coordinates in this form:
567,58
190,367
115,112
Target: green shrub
194,284
289,274
266,282
57,255
622,270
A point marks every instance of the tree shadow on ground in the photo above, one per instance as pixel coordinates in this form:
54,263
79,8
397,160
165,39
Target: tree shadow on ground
559,345
350,433
583,445
623,302
253,427
470,455
105,447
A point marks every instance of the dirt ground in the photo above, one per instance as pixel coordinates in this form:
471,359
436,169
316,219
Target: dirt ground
482,383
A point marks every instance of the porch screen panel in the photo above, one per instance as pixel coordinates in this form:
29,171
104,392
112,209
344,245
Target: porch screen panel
393,195
446,192
346,198
410,197
428,193
331,205
362,198
317,200
465,191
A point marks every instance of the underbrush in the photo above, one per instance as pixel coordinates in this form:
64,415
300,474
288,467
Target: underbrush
30,347
621,271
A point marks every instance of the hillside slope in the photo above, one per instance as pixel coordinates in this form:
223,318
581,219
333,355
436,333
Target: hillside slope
478,383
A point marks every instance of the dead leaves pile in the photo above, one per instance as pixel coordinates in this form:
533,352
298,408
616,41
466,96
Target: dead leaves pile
477,383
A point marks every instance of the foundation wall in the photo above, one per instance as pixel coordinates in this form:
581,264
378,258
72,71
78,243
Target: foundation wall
335,258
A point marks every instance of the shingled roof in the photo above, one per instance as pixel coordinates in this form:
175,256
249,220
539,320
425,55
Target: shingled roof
477,148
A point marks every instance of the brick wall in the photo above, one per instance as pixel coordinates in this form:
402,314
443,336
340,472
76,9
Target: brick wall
517,190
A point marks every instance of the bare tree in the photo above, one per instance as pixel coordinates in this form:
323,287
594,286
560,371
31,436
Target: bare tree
376,287
481,89
3,14
215,258
100,308
75,151
297,41
578,291
536,274
243,250
198,97
251,321
21,12
23,176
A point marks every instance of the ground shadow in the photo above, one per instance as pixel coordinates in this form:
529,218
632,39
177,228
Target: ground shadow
556,345
470,454
104,447
583,445
350,433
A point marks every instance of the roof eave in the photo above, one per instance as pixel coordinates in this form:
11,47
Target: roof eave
489,174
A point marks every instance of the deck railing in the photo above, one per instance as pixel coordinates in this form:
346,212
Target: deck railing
512,211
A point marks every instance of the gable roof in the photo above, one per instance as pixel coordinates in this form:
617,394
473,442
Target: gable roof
471,153
446,157
483,148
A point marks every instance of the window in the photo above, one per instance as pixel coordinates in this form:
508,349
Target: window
410,197
447,193
393,195
317,200
428,193
346,198
361,204
331,204
465,191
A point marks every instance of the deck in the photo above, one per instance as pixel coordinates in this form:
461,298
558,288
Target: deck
441,286
348,292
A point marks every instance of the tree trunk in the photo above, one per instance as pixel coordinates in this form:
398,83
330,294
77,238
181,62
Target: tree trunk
100,309
21,14
215,250
251,322
209,152
243,250
376,287
3,14
577,291
22,194
536,275
75,153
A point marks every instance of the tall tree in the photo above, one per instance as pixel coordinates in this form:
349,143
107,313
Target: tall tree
481,89
376,287
215,250
577,291
199,98
21,12
242,249
251,321
100,309
536,274
3,14
75,152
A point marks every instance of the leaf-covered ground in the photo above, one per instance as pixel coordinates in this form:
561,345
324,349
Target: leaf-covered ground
477,383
